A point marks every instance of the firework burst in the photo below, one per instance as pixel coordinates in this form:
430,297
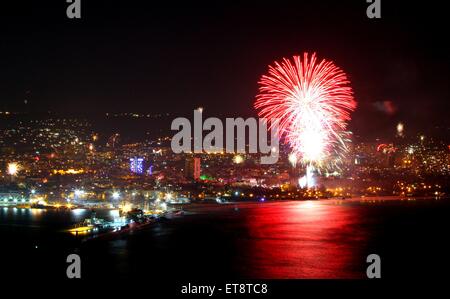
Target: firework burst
312,101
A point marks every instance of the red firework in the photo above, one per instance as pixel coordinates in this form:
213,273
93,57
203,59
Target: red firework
312,102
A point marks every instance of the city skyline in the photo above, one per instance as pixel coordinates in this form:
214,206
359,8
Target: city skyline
223,148
215,53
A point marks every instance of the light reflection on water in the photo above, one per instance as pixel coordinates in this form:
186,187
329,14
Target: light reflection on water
47,219
291,239
310,239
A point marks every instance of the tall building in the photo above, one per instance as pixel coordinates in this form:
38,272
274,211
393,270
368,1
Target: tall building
192,168
136,165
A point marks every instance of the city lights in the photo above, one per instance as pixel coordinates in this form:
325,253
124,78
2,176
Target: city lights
293,159
235,149
238,159
78,192
13,168
400,128
126,207
307,181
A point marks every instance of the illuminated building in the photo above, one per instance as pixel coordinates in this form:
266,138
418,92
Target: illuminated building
150,170
192,168
137,165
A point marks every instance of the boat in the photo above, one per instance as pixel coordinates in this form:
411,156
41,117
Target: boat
89,225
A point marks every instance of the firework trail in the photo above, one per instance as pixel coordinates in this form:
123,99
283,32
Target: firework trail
312,101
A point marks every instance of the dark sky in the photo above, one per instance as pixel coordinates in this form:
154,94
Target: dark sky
144,56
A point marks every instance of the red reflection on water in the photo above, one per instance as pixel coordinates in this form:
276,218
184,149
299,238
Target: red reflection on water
310,239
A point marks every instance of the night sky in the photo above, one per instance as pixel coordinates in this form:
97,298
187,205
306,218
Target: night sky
142,56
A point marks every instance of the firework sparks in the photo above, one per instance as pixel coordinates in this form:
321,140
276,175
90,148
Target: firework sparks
312,101
293,159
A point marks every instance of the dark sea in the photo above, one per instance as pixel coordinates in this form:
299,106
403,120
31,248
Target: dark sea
324,239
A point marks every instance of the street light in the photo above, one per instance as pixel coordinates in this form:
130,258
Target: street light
78,192
13,168
238,159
